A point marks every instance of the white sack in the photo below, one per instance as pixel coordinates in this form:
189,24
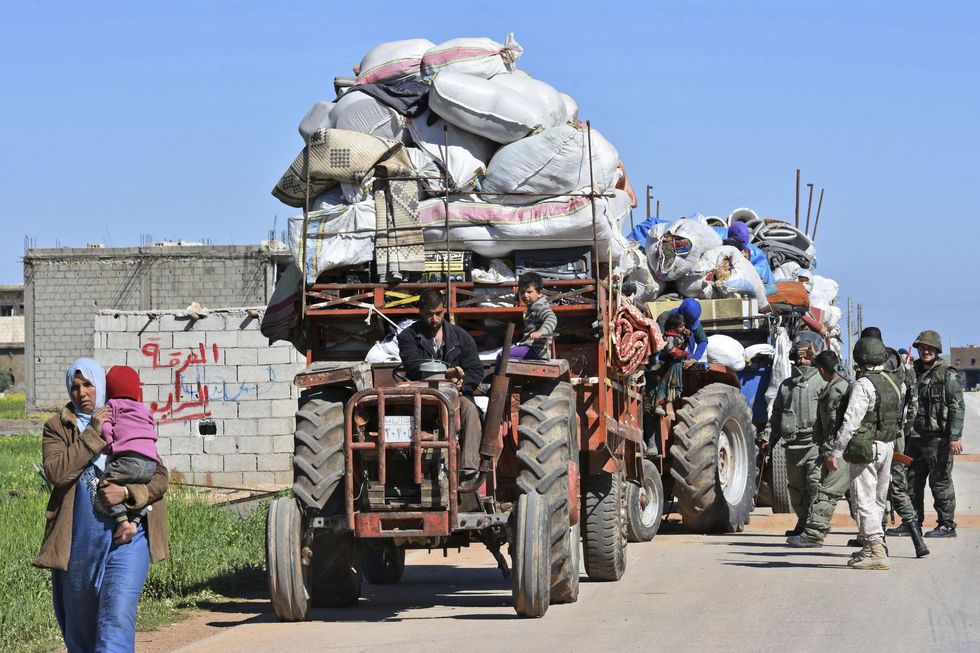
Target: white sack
359,112
832,316
546,100
781,366
466,158
336,236
394,60
668,265
318,117
480,57
787,271
633,266
386,349
761,349
729,274
823,291
693,285
571,107
553,162
484,107
727,351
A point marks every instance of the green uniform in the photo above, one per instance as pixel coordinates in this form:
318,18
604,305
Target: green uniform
898,489
833,484
937,422
794,413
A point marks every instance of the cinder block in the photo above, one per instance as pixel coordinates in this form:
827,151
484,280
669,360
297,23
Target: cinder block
243,462
276,462
255,409
163,340
282,408
278,425
188,340
274,356
172,322
259,374
211,322
255,444
221,409
110,357
242,426
207,463
285,372
224,339
259,480
252,338
157,375
213,373
278,390
240,356
284,479
178,463
189,445
283,444
122,340
174,429
141,323
163,447
226,479
221,445
110,323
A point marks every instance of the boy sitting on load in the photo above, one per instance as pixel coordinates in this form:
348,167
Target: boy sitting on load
539,319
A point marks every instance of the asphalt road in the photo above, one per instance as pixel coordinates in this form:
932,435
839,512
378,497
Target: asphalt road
681,592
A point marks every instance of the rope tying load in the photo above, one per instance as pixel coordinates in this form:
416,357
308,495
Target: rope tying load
636,337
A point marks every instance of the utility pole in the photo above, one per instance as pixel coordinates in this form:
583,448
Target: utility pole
850,333
650,197
860,319
658,209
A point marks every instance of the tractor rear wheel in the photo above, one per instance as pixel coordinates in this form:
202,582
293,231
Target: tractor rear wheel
530,558
384,565
645,505
604,513
335,570
713,460
288,576
318,450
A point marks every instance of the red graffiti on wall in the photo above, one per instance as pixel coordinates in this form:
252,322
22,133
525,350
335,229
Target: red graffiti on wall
178,408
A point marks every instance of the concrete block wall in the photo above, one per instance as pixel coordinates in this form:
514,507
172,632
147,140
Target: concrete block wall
219,368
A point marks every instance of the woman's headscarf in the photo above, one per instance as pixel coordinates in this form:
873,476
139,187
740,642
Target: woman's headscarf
95,375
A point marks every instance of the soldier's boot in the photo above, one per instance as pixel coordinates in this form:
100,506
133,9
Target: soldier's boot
943,530
878,558
857,556
902,530
921,550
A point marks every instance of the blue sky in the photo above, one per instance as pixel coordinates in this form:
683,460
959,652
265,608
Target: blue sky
175,119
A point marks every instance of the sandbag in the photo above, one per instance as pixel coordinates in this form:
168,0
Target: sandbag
553,162
480,57
318,117
543,96
729,274
336,236
465,159
484,107
727,351
393,60
677,252
359,112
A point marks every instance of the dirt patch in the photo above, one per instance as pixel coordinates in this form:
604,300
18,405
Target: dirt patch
208,621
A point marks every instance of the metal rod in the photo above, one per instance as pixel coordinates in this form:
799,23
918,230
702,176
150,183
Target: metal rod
816,220
595,232
658,209
445,182
809,203
797,198
649,197
850,335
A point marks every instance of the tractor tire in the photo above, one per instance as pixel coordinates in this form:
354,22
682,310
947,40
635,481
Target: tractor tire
335,570
547,442
779,488
384,565
288,576
713,460
530,558
318,451
604,513
645,505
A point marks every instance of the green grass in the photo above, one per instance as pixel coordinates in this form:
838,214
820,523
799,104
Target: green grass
212,554
12,406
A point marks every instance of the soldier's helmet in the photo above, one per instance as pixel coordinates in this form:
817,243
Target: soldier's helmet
870,352
931,338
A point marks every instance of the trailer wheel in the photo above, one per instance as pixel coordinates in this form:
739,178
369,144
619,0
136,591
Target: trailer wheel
335,570
384,565
604,513
645,505
288,576
318,452
779,488
713,460
548,440
530,559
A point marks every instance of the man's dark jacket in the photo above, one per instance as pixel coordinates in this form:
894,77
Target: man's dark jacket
415,348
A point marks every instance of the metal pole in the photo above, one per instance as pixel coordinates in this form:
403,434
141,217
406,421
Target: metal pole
797,198
816,220
649,197
445,202
850,333
860,319
658,209
809,203
595,233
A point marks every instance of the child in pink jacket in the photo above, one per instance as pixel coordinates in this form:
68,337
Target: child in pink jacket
130,434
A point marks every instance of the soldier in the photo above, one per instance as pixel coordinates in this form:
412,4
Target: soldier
871,423
833,484
794,413
938,427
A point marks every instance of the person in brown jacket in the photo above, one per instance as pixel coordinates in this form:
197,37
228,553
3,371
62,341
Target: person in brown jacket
97,578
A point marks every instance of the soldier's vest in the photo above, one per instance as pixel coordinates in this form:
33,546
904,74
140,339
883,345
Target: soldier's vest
932,412
829,415
884,422
799,413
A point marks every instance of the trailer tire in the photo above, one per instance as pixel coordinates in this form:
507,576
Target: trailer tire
335,570
604,545
645,505
384,565
779,488
713,460
318,449
547,441
530,558
287,576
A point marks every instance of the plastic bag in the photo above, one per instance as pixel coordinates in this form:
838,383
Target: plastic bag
480,57
681,246
386,349
393,60
727,351
484,107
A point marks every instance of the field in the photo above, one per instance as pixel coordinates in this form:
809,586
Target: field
12,406
213,554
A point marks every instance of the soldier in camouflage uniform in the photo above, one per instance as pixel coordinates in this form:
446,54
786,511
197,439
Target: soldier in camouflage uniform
794,413
938,427
833,484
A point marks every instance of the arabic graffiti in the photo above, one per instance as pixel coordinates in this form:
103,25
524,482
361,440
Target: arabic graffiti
181,405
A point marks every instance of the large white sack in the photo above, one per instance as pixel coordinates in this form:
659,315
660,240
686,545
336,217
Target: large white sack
359,112
787,271
727,351
318,117
336,236
823,291
466,157
729,274
496,229
633,266
678,250
832,316
484,107
394,60
761,349
553,162
546,100
472,56
571,107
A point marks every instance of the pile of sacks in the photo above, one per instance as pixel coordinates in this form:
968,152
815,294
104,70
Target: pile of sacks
421,121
